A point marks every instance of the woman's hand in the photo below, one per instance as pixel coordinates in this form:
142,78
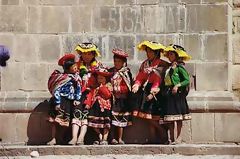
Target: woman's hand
175,88
87,106
149,97
135,88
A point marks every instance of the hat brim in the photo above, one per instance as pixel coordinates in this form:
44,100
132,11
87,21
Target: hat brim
84,50
182,54
153,46
66,57
105,74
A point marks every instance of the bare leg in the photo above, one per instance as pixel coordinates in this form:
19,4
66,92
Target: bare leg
105,134
82,134
120,134
75,129
53,135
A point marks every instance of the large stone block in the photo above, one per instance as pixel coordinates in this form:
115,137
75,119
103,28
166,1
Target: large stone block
8,129
163,19
236,76
106,19
25,49
59,2
193,45
206,18
126,43
211,76
226,127
236,48
124,2
96,2
71,41
132,19
13,19
21,129
49,48
186,133
81,21
10,2
169,1
35,77
216,48
49,19
202,127
12,77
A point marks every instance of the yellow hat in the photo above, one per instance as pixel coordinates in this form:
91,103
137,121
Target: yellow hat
87,47
179,50
151,45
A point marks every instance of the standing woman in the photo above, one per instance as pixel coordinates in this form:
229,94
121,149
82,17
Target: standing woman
87,63
148,80
175,90
122,83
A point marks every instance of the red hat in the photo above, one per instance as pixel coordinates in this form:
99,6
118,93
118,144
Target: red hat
103,72
120,53
67,57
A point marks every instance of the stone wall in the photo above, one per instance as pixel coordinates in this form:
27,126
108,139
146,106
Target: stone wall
38,32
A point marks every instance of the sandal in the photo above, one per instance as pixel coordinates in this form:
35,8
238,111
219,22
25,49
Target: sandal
96,142
121,142
104,142
114,142
80,143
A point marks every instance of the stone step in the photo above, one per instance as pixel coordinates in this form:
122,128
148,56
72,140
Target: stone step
181,149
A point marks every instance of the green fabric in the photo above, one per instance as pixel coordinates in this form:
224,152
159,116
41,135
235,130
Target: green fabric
180,75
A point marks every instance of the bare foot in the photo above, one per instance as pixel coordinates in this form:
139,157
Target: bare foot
72,142
52,142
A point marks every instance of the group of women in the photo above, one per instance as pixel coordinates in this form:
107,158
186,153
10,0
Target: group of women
87,94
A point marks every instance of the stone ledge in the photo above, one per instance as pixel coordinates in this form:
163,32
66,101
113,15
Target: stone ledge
199,101
183,149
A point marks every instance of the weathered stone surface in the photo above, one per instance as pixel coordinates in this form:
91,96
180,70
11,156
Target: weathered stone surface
49,19
10,2
236,3
132,19
8,41
214,1
236,76
125,2
225,128
216,48
21,130
35,77
71,41
169,1
216,72
193,45
81,20
13,19
191,1
25,48
169,20
59,2
7,129
126,43
236,48
202,18
49,48
96,2
30,2
12,77
186,133
106,19
202,127
147,2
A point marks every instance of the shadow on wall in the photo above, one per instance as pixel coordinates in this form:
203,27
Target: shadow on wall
39,130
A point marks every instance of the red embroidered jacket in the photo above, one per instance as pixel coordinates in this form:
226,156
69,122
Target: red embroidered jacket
102,94
150,72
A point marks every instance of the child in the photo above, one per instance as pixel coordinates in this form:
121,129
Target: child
4,55
148,80
66,91
99,100
176,82
122,83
